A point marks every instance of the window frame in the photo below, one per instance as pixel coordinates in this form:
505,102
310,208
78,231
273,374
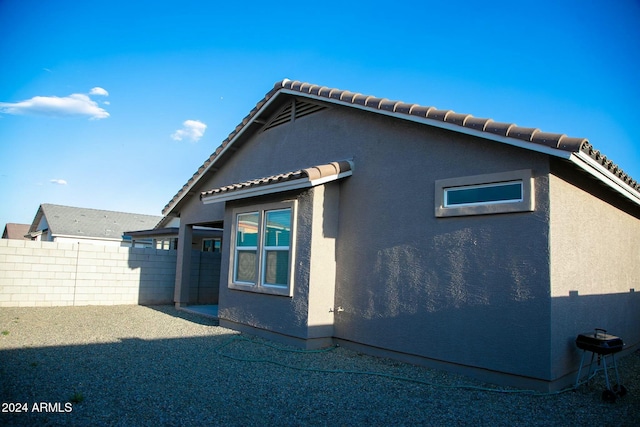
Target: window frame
260,285
524,204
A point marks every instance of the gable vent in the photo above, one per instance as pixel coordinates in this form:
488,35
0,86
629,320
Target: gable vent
292,111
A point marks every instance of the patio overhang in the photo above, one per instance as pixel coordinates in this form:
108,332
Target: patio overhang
169,232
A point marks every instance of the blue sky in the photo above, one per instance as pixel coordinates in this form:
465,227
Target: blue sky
114,105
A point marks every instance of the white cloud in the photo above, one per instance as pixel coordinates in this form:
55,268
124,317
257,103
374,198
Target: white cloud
58,181
98,91
76,104
191,129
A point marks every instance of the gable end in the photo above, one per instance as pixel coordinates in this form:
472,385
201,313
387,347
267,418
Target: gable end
292,111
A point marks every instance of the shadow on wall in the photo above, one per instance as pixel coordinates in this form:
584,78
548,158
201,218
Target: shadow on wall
531,340
157,272
619,314
205,277
475,309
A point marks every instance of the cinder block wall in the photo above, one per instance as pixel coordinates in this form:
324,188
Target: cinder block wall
57,274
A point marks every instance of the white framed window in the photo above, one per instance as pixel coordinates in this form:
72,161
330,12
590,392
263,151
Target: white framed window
262,254
503,192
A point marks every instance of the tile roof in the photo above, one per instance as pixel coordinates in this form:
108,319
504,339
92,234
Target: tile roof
72,221
425,114
273,179
319,173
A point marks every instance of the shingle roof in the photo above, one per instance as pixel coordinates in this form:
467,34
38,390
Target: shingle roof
15,231
319,173
72,221
426,114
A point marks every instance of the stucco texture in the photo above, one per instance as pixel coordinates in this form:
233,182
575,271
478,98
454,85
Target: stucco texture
472,291
595,266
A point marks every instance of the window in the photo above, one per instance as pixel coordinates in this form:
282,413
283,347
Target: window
262,250
485,194
211,245
167,244
502,192
275,250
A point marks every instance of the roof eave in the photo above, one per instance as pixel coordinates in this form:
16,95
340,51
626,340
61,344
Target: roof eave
169,210
563,151
439,124
76,236
595,169
280,187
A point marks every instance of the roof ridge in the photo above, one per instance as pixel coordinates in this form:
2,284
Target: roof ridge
510,130
467,121
97,210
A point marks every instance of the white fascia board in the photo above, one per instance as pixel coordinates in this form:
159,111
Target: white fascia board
257,191
586,163
69,236
443,125
272,188
330,178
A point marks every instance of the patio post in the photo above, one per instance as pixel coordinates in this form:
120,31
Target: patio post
183,265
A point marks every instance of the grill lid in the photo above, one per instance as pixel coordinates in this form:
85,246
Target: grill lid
599,342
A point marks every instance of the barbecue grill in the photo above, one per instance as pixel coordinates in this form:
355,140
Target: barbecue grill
601,344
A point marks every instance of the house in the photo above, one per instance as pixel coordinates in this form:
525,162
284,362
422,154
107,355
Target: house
15,231
56,223
416,233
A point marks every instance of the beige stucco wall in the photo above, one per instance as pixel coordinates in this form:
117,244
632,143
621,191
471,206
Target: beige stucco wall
595,247
322,262
595,268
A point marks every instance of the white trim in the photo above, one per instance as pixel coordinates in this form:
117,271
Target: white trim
259,286
262,190
586,163
69,236
257,191
330,178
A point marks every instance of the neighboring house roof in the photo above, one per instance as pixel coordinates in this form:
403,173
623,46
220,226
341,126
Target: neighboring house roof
15,231
70,221
303,178
577,150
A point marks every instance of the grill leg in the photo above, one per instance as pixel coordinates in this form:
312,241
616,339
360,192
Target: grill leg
615,366
606,374
590,366
580,369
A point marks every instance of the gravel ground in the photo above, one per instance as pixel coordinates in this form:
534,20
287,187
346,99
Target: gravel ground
155,366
